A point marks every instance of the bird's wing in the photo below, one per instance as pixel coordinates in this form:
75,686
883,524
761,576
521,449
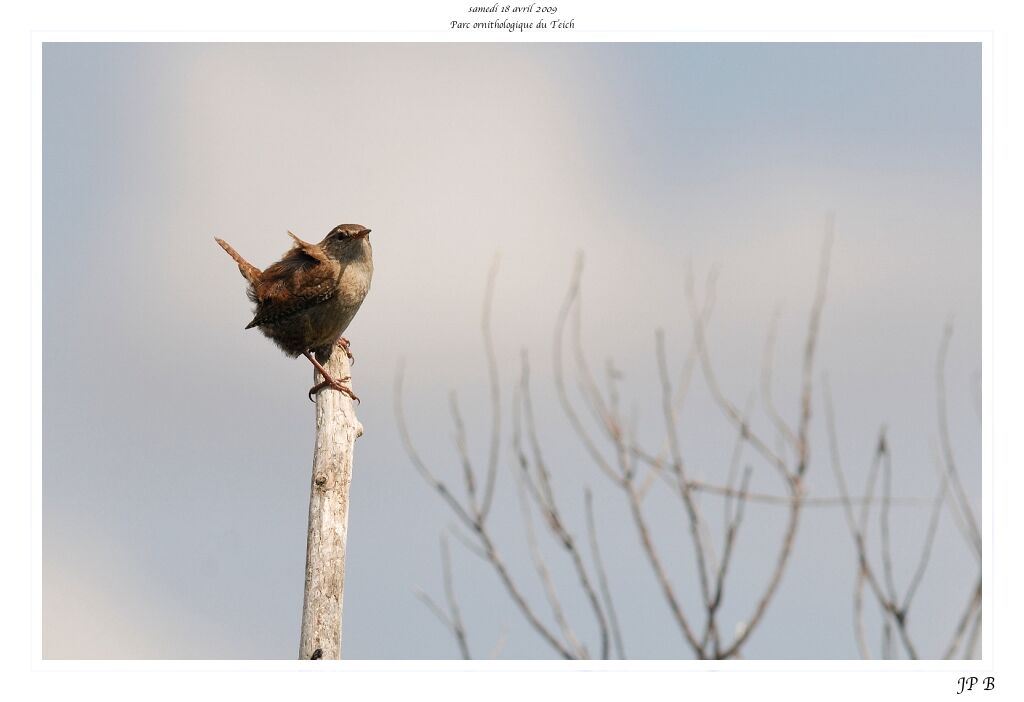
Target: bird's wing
297,282
311,250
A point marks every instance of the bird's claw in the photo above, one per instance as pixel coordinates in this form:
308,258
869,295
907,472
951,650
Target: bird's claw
337,385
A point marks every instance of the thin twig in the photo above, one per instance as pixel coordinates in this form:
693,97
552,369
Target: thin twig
793,480
626,479
858,616
659,570
544,573
692,354
499,645
492,374
453,605
929,541
476,524
453,618
894,614
883,521
807,501
857,531
810,345
417,461
679,470
463,449
972,640
467,543
947,447
585,379
869,494
438,612
559,375
517,597
732,529
550,508
782,558
727,407
602,578
973,605
685,379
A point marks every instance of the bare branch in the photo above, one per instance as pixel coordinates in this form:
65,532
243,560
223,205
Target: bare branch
636,471
559,375
548,505
477,525
682,389
679,470
734,462
499,645
806,501
857,531
692,355
524,606
602,578
792,480
895,616
492,373
436,610
541,566
887,639
811,344
785,549
585,379
947,447
972,640
973,608
659,570
468,544
414,456
873,470
929,541
463,449
453,619
453,605
727,407
730,539
883,521
858,616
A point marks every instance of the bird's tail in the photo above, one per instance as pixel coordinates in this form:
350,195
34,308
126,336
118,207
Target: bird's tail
249,271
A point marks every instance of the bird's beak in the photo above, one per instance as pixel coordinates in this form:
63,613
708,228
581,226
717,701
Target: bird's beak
362,233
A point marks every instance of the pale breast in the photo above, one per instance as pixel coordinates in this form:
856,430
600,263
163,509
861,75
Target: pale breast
355,282
333,317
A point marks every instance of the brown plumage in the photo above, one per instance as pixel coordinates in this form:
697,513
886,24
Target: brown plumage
305,301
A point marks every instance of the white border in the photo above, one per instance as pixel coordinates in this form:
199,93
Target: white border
805,17
986,665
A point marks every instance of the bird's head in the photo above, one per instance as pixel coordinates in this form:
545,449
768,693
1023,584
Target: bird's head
347,240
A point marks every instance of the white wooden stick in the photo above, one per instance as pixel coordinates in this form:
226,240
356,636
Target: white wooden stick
337,429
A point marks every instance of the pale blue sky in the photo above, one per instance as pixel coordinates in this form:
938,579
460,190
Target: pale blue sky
176,445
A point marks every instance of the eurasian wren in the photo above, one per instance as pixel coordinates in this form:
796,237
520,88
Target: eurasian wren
305,301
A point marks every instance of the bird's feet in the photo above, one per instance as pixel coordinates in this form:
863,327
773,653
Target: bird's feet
336,384
346,345
328,381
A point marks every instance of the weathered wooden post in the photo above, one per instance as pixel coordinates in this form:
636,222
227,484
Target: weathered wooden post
337,429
